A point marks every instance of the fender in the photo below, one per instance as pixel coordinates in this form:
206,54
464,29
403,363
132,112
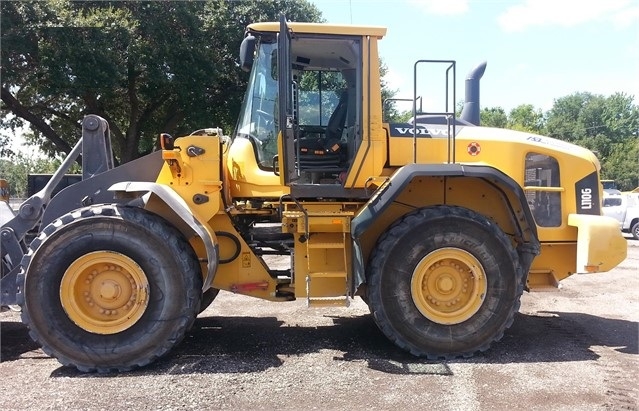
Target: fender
185,213
528,247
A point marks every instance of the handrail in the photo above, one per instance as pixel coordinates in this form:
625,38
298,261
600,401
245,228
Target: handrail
449,114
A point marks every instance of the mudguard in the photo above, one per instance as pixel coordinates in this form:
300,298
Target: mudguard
185,213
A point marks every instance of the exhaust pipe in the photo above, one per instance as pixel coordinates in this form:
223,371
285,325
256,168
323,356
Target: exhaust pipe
471,110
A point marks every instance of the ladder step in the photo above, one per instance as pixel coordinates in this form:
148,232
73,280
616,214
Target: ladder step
328,274
328,302
326,240
326,244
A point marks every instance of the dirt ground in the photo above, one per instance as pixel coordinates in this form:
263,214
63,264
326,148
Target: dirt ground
568,350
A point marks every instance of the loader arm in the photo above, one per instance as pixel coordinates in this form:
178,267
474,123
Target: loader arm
95,148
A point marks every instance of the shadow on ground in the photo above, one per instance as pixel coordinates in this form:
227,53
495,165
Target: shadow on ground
253,344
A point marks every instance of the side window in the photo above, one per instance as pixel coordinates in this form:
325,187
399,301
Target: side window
612,201
543,189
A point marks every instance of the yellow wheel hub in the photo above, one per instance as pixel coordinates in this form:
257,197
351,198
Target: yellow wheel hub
448,286
104,292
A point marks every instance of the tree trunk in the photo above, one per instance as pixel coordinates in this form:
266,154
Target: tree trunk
21,111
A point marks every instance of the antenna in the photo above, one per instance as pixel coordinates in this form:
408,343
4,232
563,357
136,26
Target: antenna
350,8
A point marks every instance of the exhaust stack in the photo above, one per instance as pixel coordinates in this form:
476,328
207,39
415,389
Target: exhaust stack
471,110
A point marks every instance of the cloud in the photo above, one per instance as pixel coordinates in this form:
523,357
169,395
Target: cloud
441,7
627,17
567,13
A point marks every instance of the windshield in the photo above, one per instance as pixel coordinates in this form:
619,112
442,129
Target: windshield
258,116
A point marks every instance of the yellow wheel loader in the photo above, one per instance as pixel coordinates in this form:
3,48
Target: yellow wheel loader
438,224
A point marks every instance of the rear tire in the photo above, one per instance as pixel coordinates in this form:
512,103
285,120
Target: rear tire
635,231
109,288
444,282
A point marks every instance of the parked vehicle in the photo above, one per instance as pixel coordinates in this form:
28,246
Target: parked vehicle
623,207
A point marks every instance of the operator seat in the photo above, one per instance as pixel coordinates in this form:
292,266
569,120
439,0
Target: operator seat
337,121
325,154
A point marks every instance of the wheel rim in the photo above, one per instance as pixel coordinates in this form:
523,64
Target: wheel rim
448,286
104,292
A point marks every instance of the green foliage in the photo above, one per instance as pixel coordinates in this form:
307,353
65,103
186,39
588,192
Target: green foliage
146,67
526,118
606,125
521,118
16,168
493,117
623,164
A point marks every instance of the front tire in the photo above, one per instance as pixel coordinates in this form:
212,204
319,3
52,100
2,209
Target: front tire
109,288
444,282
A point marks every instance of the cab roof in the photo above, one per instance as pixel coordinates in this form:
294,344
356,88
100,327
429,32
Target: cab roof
320,28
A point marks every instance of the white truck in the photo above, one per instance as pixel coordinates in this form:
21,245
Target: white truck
624,207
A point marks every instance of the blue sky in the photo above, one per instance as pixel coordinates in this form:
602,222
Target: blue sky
537,50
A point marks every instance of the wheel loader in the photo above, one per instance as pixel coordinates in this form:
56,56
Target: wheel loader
438,224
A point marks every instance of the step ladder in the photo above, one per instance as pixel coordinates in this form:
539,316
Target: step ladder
331,278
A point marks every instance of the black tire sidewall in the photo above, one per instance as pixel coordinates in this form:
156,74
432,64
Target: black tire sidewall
207,298
406,244
170,296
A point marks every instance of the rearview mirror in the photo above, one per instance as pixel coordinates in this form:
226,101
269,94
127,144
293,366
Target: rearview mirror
247,52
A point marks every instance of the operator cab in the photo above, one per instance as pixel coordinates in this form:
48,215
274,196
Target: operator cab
312,84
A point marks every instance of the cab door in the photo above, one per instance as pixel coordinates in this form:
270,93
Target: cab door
320,112
286,162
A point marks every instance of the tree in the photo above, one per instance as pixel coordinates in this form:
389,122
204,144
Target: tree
493,117
16,169
623,164
146,67
526,118
562,121
606,125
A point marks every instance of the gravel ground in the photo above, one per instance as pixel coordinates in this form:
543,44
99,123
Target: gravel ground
573,349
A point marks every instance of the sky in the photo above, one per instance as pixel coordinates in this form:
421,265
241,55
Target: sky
537,50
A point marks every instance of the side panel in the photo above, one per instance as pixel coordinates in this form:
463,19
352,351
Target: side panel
245,178
588,195
240,270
